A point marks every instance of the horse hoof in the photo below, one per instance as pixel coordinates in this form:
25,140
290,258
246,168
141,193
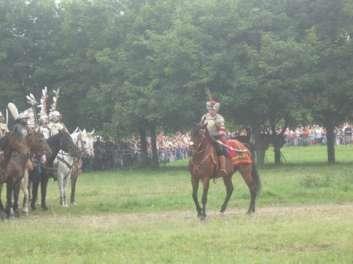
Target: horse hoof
221,213
44,208
33,207
2,215
25,211
203,218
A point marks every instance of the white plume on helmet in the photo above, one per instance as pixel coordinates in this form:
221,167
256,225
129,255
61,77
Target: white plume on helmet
43,106
13,110
54,114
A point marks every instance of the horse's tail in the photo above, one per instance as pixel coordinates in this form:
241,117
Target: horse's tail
256,178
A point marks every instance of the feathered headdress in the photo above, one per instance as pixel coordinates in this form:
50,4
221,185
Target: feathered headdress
54,114
31,113
43,106
55,100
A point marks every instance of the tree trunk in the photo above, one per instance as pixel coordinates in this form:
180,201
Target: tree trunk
278,142
261,145
277,153
155,159
330,135
143,142
260,157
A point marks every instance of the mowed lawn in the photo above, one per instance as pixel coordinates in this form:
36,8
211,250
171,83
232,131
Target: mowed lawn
305,215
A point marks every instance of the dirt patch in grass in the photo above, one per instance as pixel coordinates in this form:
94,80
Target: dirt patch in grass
125,219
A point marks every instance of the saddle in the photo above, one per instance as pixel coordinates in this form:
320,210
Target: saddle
238,153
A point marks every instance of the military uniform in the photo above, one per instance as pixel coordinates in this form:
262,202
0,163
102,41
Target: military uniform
215,125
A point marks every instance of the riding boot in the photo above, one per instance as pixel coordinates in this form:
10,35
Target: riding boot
222,164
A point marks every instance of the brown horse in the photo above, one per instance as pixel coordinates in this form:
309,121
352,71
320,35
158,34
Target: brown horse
204,166
19,164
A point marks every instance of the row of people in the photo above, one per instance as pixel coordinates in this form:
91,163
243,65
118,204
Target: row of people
310,135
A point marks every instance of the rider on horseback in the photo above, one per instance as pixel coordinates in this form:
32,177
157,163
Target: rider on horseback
216,129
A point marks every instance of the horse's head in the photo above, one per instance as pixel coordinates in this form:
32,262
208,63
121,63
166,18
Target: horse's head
19,129
199,134
84,141
66,143
37,143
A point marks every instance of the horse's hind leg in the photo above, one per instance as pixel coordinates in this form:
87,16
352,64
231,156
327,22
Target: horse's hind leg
229,190
195,188
206,184
250,176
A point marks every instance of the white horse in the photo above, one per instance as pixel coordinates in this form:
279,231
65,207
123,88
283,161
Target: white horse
68,167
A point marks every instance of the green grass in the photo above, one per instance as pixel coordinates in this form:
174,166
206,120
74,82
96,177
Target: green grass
147,216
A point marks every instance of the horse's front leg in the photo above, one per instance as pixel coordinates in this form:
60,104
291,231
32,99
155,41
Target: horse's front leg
9,203
44,185
16,194
24,188
35,178
61,185
2,211
206,184
74,177
195,188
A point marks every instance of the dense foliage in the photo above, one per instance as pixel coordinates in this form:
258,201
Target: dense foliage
128,66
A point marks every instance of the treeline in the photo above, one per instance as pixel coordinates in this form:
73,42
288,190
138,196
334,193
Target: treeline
132,66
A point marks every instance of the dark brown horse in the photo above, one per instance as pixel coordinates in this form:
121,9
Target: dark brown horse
19,163
204,166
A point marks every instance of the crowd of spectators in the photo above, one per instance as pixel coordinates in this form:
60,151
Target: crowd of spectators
310,135
171,148
114,155
126,154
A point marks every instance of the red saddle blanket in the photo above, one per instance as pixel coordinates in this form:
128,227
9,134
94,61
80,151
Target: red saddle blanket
238,153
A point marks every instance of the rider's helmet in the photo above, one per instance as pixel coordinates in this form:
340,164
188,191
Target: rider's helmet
213,105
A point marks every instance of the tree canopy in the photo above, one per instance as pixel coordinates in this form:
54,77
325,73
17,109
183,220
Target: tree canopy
127,66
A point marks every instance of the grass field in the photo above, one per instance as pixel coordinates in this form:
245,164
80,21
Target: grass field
305,215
